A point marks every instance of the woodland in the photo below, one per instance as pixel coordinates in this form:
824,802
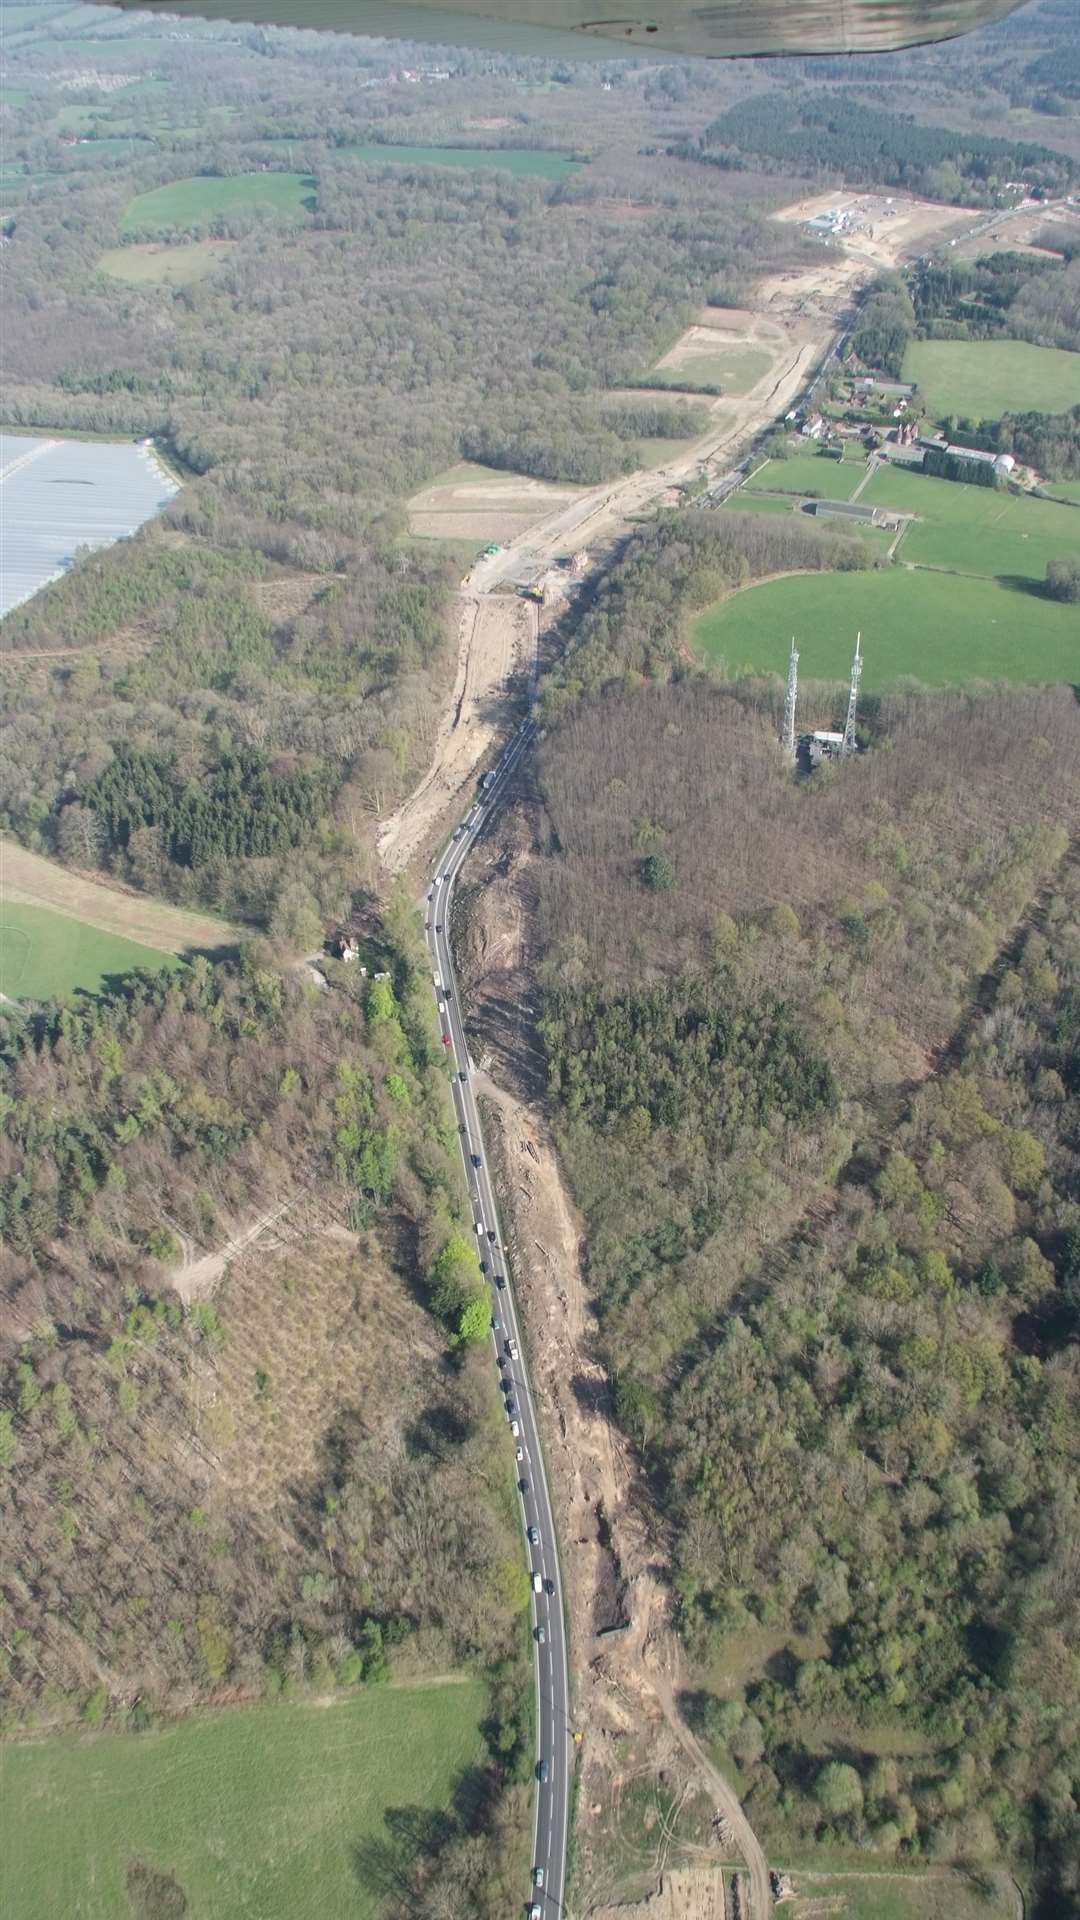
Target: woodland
812,1048
837,135
322,1508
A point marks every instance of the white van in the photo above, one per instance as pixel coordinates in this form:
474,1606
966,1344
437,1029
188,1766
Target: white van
538,1584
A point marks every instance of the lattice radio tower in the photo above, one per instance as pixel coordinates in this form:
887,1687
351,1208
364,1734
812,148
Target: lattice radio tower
788,742
853,697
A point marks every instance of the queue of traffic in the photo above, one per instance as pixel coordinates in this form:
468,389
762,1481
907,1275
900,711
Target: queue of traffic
549,1647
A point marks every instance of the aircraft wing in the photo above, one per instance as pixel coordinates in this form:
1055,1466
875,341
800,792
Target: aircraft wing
574,29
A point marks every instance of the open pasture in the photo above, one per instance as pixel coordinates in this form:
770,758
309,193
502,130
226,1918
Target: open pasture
193,203
970,529
43,953
982,379
943,629
527,163
808,473
263,1813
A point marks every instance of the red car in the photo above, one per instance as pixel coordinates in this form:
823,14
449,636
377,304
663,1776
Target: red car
446,1039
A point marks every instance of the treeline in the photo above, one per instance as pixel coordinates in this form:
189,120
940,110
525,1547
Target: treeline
840,1316
673,568
1002,294
583,460
952,466
836,133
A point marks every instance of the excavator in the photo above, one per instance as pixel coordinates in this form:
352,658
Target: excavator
576,29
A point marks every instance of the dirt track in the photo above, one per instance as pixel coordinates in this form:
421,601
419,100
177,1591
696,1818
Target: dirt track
496,641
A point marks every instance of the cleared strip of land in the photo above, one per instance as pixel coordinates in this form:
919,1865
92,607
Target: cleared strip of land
33,881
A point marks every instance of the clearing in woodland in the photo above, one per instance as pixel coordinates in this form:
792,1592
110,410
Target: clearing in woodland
269,1811
156,265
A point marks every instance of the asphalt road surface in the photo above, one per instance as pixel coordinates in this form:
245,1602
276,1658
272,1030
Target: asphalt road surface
553,1752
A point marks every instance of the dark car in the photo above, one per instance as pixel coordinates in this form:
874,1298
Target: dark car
505,1384
510,1406
463,1076
483,1266
523,1486
541,1770
438,926
492,1235
500,1280
476,1160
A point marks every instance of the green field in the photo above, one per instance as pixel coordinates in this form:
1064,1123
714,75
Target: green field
982,379
736,370
976,529
163,266
263,1812
809,473
43,953
191,203
1063,489
943,629
538,163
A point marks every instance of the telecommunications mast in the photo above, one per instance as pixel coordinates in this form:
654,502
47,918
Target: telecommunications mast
853,696
788,741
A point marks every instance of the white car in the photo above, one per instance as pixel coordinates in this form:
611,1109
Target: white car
538,1876
515,1430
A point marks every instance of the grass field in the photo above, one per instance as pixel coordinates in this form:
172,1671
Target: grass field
44,953
944,629
538,163
976,529
735,369
191,203
864,1894
981,379
163,266
808,473
1063,489
28,879
265,1813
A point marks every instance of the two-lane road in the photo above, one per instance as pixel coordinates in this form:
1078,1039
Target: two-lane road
553,1731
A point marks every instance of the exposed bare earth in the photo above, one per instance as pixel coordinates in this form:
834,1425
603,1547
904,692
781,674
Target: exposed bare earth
496,642
689,1893
33,881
